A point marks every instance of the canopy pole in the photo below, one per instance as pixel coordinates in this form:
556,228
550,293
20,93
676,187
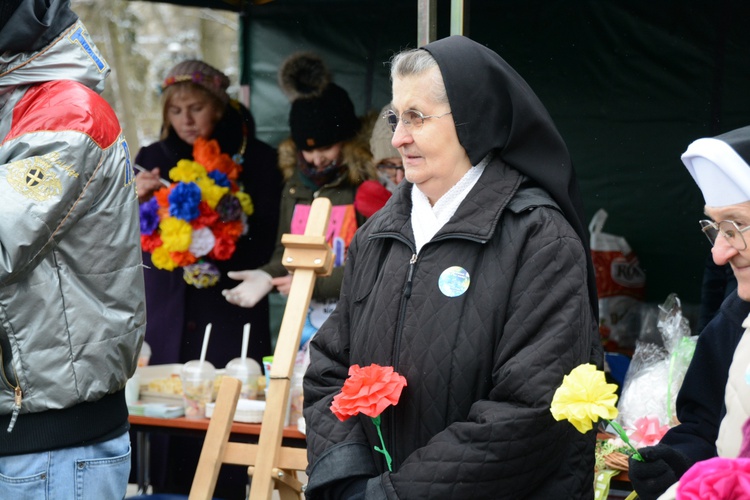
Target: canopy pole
426,22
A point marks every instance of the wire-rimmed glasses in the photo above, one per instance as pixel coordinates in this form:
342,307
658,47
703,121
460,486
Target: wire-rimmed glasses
391,171
411,118
728,229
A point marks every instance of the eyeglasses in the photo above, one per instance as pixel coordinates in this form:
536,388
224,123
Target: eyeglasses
391,171
389,168
411,118
728,229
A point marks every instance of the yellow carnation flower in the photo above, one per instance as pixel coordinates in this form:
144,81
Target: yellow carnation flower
245,202
584,397
176,234
210,192
187,171
160,258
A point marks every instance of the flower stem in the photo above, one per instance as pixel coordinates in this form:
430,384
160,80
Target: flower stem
624,436
376,421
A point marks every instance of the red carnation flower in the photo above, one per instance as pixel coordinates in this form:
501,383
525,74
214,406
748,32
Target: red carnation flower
368,390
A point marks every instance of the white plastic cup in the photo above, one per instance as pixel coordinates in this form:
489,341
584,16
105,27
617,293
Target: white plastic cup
145,355
197,387
246,371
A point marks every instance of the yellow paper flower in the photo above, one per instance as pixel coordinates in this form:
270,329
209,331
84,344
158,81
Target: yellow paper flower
584,397
245,202
176,234
161,259
187,171
210,192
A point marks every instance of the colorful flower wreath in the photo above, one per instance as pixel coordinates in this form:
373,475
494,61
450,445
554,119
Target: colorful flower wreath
199,217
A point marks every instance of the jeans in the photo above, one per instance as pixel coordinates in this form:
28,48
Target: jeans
95,472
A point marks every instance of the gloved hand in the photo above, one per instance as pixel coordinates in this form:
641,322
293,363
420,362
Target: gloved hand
255,285
662,467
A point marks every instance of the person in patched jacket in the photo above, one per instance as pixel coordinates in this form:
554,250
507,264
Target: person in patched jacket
474,283
72,307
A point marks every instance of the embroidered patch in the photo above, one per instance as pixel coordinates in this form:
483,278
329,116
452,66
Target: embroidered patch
34,178
454,281
129,177
79,38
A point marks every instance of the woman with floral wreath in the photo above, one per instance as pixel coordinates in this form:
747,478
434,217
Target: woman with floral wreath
198,115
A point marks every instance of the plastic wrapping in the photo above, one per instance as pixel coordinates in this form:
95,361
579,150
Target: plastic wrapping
656,371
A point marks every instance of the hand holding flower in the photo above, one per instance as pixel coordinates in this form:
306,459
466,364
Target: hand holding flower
585,397
369,390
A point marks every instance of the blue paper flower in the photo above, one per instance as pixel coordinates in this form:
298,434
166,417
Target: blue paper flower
220,178
184,200
149,217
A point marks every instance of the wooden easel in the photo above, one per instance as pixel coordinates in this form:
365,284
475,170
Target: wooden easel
270,464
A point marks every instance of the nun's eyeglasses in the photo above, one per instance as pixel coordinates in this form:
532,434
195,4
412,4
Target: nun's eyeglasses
411,118
728,229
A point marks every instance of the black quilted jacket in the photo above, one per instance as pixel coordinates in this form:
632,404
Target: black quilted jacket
474,420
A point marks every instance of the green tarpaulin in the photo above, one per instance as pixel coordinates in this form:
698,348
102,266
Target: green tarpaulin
629,83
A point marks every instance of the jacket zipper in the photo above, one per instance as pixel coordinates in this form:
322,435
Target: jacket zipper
17,397
397,343
17,392
402,313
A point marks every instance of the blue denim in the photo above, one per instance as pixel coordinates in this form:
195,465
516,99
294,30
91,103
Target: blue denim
95,472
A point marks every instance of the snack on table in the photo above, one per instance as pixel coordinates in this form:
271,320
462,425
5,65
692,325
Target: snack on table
170,385
197,394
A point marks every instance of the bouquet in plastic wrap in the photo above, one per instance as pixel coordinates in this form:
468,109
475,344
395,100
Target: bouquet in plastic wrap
647,402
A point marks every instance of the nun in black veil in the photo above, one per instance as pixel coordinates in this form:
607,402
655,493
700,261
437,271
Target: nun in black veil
474,283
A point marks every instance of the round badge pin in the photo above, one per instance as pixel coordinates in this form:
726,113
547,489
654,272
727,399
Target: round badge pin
454,281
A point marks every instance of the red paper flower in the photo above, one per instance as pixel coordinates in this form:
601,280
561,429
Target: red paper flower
715,479
223,249
229,230
206,218
150,241
368,390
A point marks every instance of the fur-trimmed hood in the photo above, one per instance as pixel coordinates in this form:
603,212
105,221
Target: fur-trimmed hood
355,154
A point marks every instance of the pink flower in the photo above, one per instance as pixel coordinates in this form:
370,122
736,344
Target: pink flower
648,432
716,479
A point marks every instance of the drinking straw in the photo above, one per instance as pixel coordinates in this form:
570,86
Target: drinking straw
245,339
205,343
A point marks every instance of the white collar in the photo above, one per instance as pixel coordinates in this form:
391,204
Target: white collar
427,220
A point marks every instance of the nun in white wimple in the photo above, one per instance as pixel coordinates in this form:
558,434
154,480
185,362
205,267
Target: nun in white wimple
714,401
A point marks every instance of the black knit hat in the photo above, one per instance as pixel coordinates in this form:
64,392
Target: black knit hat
322,113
